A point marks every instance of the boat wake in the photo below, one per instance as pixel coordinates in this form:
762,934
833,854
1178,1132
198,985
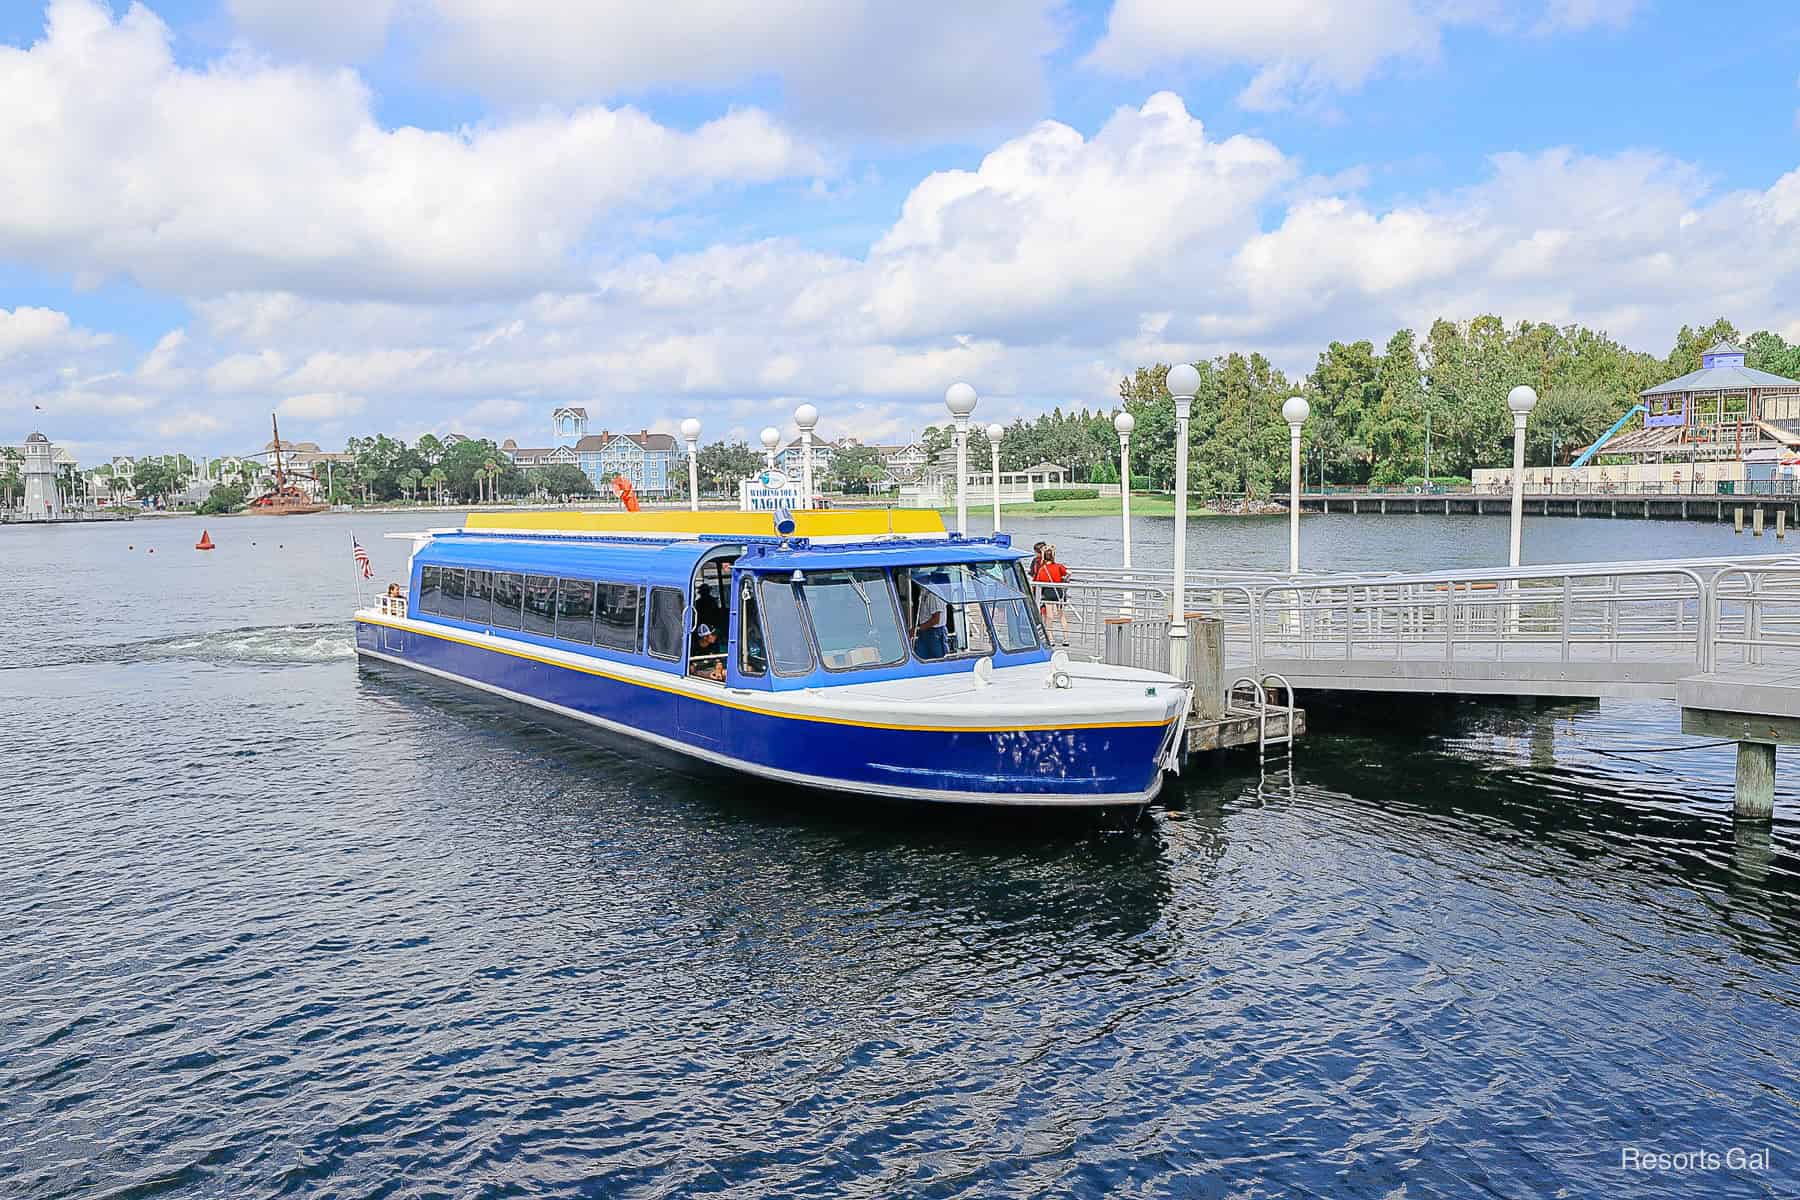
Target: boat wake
261,645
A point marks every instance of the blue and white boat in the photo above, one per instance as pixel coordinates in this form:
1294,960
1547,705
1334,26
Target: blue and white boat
862,654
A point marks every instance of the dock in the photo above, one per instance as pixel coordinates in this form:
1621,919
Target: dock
1778,509
1718,636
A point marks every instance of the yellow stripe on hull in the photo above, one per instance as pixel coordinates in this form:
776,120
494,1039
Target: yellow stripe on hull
480,644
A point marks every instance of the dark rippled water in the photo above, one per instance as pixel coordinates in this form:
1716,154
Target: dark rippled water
270,925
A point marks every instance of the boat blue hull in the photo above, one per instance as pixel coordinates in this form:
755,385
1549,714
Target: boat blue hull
1082,766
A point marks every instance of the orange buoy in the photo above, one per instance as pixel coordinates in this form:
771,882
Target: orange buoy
205,542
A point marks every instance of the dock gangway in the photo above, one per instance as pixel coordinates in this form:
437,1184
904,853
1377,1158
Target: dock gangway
1593,629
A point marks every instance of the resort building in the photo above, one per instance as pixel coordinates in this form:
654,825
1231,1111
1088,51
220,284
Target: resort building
904,462
936,487
646,459
791,459
542,456
1722,412
1726,427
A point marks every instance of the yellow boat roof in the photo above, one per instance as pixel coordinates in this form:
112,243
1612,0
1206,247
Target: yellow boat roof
848,523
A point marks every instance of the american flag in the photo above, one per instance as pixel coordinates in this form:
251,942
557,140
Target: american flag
362,559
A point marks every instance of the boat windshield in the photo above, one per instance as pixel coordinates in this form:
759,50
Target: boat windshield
853,618
966,608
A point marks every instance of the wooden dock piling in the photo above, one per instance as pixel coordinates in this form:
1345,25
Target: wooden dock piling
1754,795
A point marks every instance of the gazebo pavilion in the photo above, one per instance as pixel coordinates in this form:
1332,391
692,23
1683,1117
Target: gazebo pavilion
1723,411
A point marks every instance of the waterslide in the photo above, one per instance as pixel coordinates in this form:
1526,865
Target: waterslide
1606,437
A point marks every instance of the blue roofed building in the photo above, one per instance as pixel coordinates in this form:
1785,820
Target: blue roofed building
1725,411
647,459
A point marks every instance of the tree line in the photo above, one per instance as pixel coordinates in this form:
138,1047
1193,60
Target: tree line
1372,410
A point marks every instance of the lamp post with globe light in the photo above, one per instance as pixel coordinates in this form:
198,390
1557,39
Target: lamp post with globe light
1123,424
771,440
690,433
1521,400
806,417
995,433
1294,411
1184,385
960,399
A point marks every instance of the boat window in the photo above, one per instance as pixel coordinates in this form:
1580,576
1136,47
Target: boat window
667,606
428,589
784,628
575,611
451,583
616,616
540,605
853,618
478,595
509,596
752,656
712,597
1016,622
951,604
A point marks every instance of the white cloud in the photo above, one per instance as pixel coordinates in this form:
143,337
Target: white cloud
1300,48
1053,224
186,424
321,30
29,331
1576,15
1057,263
1304,51
252,176
499,419
161,367
245,372
321,406
923,69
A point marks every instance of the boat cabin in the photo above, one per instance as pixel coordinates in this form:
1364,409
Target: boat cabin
764,613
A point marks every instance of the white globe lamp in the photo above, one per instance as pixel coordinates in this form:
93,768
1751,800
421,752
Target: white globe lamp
960,399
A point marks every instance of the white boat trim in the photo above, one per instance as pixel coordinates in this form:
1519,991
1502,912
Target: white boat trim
825,783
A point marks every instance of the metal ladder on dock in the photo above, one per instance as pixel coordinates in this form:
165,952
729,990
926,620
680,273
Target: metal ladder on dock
1249,694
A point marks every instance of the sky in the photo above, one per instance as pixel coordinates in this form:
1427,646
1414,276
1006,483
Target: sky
414,216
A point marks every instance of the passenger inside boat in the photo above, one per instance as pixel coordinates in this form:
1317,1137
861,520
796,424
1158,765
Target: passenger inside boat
706,657
929,615
707,609
707,646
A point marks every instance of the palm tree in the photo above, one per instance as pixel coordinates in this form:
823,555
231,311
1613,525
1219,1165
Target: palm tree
491,473
409,480
438,480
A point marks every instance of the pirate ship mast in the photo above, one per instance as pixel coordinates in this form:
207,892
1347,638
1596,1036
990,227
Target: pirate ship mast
286,499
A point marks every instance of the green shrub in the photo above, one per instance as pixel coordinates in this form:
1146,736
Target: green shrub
223,498
1074,493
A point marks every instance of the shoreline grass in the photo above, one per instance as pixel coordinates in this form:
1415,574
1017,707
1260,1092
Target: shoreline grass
1104,506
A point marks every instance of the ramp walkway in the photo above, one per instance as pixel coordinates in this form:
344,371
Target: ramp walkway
1719,635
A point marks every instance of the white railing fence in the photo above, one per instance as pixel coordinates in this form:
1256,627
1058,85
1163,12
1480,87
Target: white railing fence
1652,620
1755,618
1573,614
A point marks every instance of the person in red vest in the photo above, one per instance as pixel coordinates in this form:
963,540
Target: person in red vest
1050,598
